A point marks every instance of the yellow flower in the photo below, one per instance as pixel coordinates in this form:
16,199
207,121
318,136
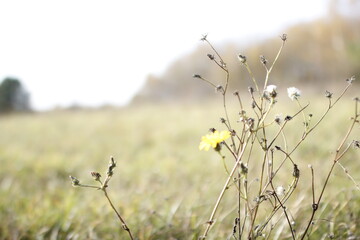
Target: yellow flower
213,139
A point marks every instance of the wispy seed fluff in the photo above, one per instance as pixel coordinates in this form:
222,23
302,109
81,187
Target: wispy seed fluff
270,91
293,93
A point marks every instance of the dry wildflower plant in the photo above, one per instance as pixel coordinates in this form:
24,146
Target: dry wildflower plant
255,140
103,186
252,142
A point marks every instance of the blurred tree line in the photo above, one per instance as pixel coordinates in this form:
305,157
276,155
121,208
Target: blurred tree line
326,50
13,96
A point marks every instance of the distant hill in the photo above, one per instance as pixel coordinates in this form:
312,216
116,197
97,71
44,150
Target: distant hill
323,51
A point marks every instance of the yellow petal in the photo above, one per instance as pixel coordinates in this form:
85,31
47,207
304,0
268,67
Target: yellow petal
204,146
224,135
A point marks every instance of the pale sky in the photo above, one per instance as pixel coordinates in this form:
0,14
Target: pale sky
93,52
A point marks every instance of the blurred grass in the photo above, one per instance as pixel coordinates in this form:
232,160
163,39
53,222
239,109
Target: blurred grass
164,187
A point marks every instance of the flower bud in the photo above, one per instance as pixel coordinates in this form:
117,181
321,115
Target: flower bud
211,56
220,89
328,94
356,144
242,58
351,80
263,60
203,38
296,172
75,182
111,167
251,90
96,176
283,37
278,119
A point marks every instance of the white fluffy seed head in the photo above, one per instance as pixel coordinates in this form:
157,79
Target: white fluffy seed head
293,93
270,88
280,191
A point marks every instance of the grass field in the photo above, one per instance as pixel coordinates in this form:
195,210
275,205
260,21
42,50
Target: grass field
163,185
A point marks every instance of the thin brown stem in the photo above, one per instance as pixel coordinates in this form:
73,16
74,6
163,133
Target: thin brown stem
285,212
212,47
252,76
349,176
89,186
207,81
268,71
211,219
124,226
240,102
312,184
338,156
321,118
239,206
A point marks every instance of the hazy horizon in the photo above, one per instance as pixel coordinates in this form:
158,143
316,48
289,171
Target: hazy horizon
91,53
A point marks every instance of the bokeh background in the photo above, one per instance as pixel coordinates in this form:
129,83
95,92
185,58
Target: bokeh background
85,80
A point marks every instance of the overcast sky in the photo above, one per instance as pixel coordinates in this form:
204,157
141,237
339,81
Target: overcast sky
94,52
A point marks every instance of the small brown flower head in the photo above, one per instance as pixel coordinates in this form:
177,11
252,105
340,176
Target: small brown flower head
75,182
243,116
356,144
204,37
251,90
111,167
219,88
328,94
237,221
288,118
263,60
235,225
236,93
96,175
278,119
244,168
211,56
315,206
296,172
197,76
253,104
356,99
212,130
283,37
351,80
242,58
250,123
222,120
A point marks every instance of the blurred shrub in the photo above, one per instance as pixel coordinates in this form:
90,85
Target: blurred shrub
13,96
